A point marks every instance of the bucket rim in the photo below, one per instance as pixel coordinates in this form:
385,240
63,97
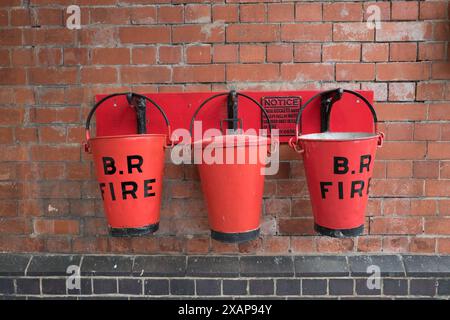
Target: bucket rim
339,136
249,140
146,135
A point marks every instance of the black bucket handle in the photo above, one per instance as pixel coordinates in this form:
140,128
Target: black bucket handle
225,94
94,108
294,143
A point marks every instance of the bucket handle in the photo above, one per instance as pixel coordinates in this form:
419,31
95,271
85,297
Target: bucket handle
293,142
94,108
237,94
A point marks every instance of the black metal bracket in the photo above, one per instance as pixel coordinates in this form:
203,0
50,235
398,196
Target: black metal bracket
326,103
140,106
232,107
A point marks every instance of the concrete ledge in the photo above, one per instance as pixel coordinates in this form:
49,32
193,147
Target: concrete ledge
179,276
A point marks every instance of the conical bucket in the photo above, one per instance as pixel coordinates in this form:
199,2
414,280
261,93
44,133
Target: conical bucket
338,168
129,171
232,178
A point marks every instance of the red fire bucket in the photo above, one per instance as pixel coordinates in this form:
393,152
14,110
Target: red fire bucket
233,185
129,171
338,168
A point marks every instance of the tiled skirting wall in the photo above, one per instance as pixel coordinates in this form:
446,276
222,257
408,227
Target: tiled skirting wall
25,276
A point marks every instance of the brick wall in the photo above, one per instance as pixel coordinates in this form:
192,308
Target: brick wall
49,200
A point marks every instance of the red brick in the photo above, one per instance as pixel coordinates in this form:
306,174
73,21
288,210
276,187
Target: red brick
51,171
441,31
355,71
437,188
431,51
55,153
334,245
56,227
252,12
397,187
403,52
422,245
14,153
402,150
342,12
252,33
380,225
5,58
197,13
150,74
252,72
306,32
437,226
23,57
423,207
12,76
170,54
431,10
20,17
369,244
439,111
341,52
145,55
47,36
439,150
307,71
399,169
430,91
402,31
440,71
143,35
225,13
225,53
90,245
210,73
14,226
297,226
280,12
403,71
402,91
352,31
308,11
99,75
252,53
198,54
110,56
52,134
399,112
110,15
307,52
276,245
426,131
279,53
426,169
443,246
302,244
405,10
197,245
75,56
52,75
142,15
204,33
170,14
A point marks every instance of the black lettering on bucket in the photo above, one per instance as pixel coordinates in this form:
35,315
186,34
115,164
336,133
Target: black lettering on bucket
341,190
354,188
132,165
111,189
323,188
340,165
131,192
109,166
148,187
365,164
